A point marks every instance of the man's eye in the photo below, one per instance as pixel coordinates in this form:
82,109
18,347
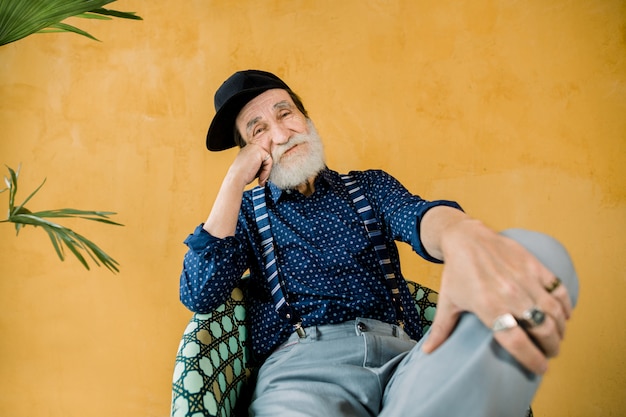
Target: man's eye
258,131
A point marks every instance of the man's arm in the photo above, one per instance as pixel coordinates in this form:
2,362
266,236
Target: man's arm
251,162
489,275
216,259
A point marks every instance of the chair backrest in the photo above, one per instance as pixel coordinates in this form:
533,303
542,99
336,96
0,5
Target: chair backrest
212,364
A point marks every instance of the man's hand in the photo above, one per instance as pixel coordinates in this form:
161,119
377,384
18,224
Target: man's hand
252,161
490,275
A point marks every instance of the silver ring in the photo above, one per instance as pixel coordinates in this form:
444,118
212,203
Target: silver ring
532,317
504,322
554,285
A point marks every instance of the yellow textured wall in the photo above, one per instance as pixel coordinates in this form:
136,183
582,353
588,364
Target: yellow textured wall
515,109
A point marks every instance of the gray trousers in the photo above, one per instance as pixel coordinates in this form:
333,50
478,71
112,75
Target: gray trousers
368,368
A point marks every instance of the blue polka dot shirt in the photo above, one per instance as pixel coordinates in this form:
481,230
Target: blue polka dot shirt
328,265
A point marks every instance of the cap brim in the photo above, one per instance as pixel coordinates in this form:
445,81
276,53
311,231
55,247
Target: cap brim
221,131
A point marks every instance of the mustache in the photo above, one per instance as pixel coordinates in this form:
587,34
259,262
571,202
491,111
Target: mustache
279,150
306,163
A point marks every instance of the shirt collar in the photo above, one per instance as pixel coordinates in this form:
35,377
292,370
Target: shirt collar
326,177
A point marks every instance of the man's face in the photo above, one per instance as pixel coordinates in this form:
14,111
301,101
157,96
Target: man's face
272,121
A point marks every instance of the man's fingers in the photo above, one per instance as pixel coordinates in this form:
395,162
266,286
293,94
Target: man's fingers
555,289
265,169
445,320
556,314
518,343
553,299
529,340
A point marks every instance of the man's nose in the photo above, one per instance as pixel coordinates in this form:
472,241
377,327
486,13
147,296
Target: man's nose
280,134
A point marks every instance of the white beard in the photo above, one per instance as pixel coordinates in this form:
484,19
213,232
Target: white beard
297,169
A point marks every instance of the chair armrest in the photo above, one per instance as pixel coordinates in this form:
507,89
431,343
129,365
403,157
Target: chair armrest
426,303
211,362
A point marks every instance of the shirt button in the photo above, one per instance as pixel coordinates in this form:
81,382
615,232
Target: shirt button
362,327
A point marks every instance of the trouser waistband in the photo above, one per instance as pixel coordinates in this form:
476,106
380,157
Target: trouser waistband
346,329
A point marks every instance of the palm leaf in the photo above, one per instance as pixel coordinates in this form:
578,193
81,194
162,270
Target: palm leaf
115,13
97,216
90,15
56,243
64,27
18,209
20,18
59,235
12,186
71,245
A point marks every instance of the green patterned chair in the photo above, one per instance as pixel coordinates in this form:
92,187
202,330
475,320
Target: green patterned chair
213,363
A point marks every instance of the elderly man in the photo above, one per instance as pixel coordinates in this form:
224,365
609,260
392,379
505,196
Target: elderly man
331,317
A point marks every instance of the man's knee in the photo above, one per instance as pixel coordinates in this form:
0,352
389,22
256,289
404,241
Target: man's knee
551,253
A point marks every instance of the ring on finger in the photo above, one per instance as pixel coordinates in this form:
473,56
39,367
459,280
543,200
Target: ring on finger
504,322
532,317
553,285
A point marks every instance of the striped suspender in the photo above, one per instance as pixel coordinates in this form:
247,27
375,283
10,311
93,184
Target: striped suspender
366,213
272,275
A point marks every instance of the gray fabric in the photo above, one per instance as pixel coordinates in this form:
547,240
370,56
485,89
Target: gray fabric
551,254
369,368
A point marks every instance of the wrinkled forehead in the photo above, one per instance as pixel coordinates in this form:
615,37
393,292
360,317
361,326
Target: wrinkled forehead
263,104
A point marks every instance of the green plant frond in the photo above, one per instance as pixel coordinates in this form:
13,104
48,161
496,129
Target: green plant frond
21,220
97,216
116,13
64,27
90,15
29,219
12,187
59,235
75,242
19,208
94,252
87,250
56,243
71,245
20,18
7,182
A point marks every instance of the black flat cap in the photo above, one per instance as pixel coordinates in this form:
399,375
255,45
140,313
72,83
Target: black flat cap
230,98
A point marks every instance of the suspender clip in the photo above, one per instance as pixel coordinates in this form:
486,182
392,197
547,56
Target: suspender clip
299,330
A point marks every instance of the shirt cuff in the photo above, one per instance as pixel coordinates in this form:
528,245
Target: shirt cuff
422,250
200,241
